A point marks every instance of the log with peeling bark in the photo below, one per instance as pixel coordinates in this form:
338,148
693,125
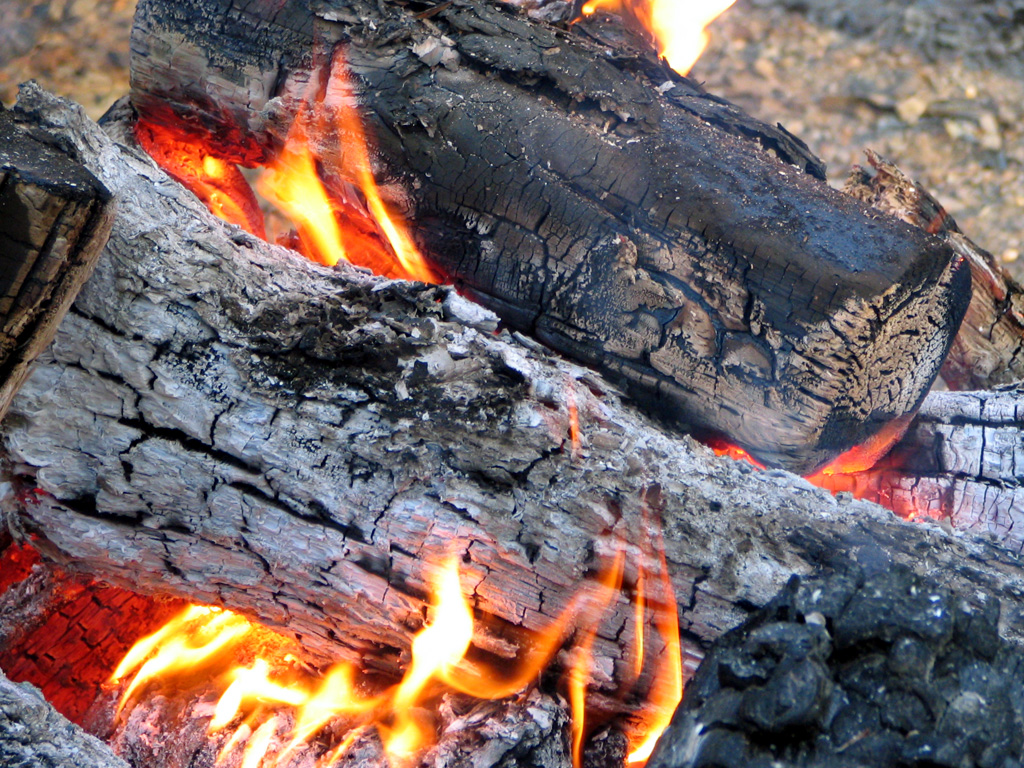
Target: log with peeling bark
54,220
597,201
220,420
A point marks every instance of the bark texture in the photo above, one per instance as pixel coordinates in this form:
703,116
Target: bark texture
961,461
989,348
220,420
34,735
54,220
596,201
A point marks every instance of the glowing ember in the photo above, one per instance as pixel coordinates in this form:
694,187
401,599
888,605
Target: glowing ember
679,27
270,708
218,183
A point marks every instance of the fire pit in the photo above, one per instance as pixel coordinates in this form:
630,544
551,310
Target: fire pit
223,422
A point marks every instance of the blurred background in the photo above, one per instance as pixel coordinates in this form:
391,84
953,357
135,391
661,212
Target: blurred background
936,86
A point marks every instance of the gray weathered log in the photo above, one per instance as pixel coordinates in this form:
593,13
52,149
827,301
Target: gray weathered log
220,420
54,220
595,200
34,735
961,462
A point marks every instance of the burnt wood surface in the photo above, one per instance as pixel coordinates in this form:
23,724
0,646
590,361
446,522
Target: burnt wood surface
54,220
593,199
989,349
220,420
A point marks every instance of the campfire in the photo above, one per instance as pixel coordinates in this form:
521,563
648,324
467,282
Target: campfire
343,518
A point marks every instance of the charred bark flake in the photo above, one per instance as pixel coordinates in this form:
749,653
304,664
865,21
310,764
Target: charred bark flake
597,203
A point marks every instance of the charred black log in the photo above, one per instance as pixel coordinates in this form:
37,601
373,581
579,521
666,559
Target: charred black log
54,220
848,671
989,349
593,201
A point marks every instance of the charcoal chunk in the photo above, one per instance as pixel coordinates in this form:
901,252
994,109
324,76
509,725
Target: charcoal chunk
848,670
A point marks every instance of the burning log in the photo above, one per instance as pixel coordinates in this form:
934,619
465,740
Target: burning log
989,348
54,220
222,421
958,463
626,221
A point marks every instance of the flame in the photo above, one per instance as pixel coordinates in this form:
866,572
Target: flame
345,219
257,690
667,690
864,456
217,182
679,27
351,127
291,182
187,641
580,669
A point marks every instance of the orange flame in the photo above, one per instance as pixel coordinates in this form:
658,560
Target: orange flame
667,690
347,219
291,182
256,692
679,27
579,673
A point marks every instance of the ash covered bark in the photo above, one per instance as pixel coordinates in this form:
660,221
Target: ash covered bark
34,735
597,201
853,671
220,420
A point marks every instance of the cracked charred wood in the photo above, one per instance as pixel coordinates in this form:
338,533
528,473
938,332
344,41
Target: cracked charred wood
33,733
989,349
598,202
961,462
853,671
54,219
223,421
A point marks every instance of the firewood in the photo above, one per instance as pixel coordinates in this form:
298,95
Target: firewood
989,349
33,733
604,205
223,421
960,463
54,220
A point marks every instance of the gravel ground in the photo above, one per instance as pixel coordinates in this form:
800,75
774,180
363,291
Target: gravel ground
935,86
